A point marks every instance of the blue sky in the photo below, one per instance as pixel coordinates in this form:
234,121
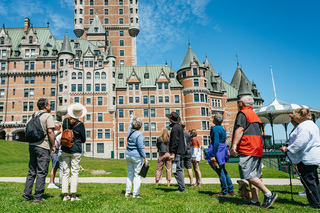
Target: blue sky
284,34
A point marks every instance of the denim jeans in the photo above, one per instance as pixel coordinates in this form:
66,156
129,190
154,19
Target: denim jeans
134,167
38,169
226,183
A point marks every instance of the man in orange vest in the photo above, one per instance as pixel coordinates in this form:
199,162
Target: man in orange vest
247,144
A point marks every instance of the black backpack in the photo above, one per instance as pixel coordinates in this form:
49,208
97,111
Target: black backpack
34,132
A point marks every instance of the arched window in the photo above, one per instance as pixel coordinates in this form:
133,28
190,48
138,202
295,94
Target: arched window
74,75
88,75
97,75
2,40
80,20
30,40
79,75
103,75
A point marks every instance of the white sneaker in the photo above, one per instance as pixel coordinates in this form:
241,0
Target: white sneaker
136,196
75,199
127,195
66,198
52,186
302,194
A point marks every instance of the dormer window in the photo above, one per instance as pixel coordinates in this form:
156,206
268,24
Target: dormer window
16,53
45,53
96,52
184,74
54,52
120,76
76,45
195,71
204,73
146,75
171,75
78,52
30,40
2,40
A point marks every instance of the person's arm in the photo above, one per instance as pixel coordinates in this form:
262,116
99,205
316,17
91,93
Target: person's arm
82,133
236,140
300,142
52,140
140,146
158,143
215,142
130,125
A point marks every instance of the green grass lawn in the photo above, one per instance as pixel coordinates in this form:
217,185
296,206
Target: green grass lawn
110,198
14,159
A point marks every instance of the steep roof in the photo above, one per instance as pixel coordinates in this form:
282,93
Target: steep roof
189,57
154,72
66,47
210,67
110,52
243,89
96,26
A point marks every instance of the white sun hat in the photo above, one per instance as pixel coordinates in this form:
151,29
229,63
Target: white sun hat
77,110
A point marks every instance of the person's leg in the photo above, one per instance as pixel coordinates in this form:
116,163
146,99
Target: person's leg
254,192
310,176
43,160
75,167
222,178
130,175
31,173
179,174
195,172
66,163
199,173
168,167
228,179
257,182
137,178
190,174
159,167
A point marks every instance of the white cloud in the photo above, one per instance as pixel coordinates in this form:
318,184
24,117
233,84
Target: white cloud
26,8
3,9
217,28
164,24
59,24
67,3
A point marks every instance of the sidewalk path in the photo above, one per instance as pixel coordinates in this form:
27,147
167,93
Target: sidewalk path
267,181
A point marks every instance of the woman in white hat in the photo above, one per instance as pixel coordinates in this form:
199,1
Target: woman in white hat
71,156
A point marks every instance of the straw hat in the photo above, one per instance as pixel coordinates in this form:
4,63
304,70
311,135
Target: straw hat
77,110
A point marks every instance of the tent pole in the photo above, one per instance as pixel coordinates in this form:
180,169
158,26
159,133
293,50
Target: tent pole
271,122
286,129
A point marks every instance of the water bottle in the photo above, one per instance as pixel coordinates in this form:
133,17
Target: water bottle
174,167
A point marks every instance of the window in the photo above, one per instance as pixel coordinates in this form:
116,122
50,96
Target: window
60,101
152,99
145,99
3,80
204,124
196,82
178,111
121,142
205,83
88,87
26,92
73,87
120,76
79,87
61,74
159,86
130,100
121,42
100,147
146,141
80,20
30,106
4,53
146,75
176,99
43,91
131,20
131,9
207,112
53,91
165,85
146,126
88,145
121,155
88,101
137,100
106,2
2,40
120,2
26,65
195,71
154,155
100,117
2,93
203,111
61,62
196,97
97,86
91,12
25,106
166,112
121,52
99,100
107,133
91,63
120,113
153,128
53,64
160,99
91,2
100,64
121,62
103,87
153,139
80,11
53,105
202,97
130,87
90,21
120,20
79,75
166,99
31,65
171,75
121,127
205,140
97,75
88,75
137,20
14,92
145,113
121,33
120,99
33,52
53,79
184,74
100,133
31,92
120,11
136,86
30,40
1,106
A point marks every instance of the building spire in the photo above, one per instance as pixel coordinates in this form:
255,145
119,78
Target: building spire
66,47
237,60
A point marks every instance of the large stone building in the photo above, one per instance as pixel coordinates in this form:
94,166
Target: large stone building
98,69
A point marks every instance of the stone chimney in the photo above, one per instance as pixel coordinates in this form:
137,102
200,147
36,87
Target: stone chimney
26,24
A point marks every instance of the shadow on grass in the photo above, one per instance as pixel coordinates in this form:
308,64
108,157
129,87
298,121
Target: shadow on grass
46,196
167,189
206,192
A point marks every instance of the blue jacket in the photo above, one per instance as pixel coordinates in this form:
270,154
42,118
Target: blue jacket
135,145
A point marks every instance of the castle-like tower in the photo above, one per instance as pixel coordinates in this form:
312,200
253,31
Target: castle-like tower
120,20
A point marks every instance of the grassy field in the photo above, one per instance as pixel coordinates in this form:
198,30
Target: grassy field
14,158
110,198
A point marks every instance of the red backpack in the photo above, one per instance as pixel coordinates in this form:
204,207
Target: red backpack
67,136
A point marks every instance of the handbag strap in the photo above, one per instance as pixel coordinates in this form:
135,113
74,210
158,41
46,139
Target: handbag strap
74,126
165,145
130,134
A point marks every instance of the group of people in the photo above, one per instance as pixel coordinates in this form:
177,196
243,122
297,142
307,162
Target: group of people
180,148
63,157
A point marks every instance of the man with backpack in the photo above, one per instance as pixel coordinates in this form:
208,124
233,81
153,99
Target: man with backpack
40,136
177,148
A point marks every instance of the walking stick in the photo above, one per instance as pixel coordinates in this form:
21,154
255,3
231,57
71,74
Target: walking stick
290,182
304,183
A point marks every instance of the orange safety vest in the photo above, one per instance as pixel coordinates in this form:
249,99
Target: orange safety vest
251,141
